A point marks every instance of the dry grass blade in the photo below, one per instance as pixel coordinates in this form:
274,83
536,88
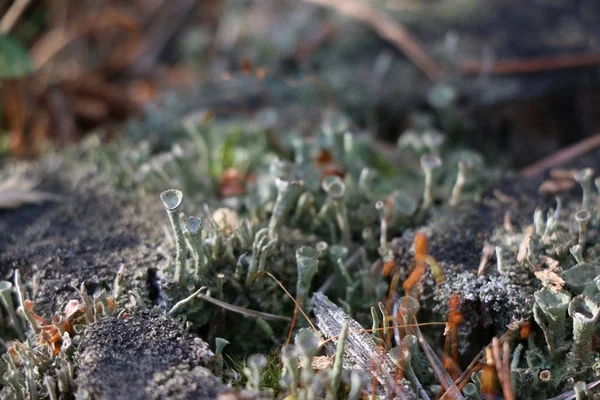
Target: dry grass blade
438,368
15,193
530,65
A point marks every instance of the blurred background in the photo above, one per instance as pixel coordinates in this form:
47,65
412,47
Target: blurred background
515,79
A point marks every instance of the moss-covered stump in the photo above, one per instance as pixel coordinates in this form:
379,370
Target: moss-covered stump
84,236
143,356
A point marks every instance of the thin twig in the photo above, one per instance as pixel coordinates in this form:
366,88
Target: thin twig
438,368
502,369
464,378
510,393
562,156
570,395
530,65
58,38
296,304
242,310
12,15
388,30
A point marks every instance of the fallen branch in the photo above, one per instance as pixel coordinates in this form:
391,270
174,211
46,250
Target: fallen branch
388,30
562,156
360,349
529,65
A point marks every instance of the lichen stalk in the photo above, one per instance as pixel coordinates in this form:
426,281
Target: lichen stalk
461,180
584,178
582,217
201,256
290,372
581,391
383,241
287,195
429,163
307,260
338,362
22,306
550,311
307,344
336,189
118,285
585,314
500,260
172,200
357,382
6,289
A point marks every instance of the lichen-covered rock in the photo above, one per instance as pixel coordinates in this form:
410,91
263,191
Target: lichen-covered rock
140,356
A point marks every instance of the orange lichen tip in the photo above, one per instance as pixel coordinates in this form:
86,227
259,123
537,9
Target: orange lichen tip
421,245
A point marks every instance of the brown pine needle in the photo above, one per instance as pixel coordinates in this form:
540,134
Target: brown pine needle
503,367
438,368
562,156
292,325
291,297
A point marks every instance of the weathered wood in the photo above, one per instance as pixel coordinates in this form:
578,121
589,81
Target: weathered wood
360,351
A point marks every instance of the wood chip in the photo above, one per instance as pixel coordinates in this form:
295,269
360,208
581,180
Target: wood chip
551,279
556,186
562,173
360,351
322,362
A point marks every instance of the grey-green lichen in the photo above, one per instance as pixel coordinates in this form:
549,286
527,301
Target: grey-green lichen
252,208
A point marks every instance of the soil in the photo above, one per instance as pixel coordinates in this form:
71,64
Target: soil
119,356
85,237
